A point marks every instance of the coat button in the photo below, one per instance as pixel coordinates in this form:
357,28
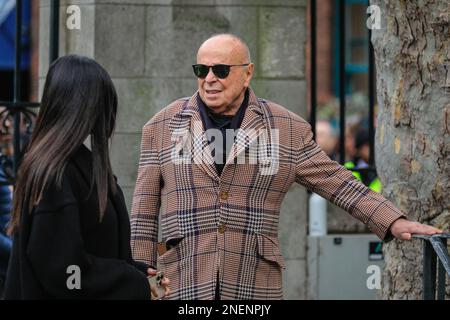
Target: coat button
222,228
224,195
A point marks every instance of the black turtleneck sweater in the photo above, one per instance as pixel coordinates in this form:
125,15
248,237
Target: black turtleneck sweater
212,120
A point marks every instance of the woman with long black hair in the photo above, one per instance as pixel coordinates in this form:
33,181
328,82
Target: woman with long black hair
69,222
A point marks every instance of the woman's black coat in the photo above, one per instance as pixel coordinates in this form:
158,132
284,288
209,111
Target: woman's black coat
64,233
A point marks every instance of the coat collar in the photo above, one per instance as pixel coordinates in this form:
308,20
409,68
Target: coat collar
83,162
82,159
191,107
188,123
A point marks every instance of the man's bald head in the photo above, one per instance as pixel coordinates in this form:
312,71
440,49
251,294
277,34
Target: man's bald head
236,47
325,136
224,94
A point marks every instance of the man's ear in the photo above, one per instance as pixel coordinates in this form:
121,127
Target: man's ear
250,69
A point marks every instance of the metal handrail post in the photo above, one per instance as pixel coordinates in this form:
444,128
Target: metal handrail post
435,260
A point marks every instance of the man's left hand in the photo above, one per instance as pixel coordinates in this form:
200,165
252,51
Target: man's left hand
404,229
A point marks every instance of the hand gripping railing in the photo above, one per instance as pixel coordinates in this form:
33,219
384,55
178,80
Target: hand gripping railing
434,246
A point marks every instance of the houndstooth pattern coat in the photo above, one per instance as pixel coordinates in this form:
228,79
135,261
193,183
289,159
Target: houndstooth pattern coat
228,225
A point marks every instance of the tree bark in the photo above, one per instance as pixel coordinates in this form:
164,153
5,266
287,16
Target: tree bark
412,54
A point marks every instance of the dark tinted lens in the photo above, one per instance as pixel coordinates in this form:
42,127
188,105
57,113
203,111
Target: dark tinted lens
200,70
221,70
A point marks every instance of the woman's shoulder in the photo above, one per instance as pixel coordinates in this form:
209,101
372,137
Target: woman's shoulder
57,195
66,190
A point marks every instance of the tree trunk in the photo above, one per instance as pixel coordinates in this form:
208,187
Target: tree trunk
412,53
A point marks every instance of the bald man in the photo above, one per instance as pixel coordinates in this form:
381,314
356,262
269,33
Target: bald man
326,138
215,168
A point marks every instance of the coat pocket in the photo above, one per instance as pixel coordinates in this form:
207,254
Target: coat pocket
172,251
269,249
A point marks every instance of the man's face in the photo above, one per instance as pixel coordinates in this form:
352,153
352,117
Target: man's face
364,152
224,95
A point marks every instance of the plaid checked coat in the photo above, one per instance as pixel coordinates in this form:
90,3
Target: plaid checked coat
228,225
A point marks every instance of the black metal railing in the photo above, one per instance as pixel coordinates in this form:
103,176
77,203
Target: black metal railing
342,77
18,112
436,261
16,109
341,7
54,31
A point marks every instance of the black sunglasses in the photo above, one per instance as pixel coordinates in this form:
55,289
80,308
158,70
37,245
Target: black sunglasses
220,70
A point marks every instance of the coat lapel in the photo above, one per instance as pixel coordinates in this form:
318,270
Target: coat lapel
187,132
252,126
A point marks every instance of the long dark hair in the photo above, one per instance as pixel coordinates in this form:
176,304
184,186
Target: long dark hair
79,100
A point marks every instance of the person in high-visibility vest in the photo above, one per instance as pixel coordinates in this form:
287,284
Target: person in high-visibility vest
374,184
362,146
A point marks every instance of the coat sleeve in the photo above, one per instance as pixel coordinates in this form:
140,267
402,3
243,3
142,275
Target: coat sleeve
317,172
146,201
65,270
142,266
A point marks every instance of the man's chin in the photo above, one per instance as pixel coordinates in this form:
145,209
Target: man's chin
213,104
215,108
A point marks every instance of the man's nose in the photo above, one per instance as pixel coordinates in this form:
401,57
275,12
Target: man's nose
210,77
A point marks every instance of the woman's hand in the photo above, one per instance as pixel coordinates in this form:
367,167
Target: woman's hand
164,284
